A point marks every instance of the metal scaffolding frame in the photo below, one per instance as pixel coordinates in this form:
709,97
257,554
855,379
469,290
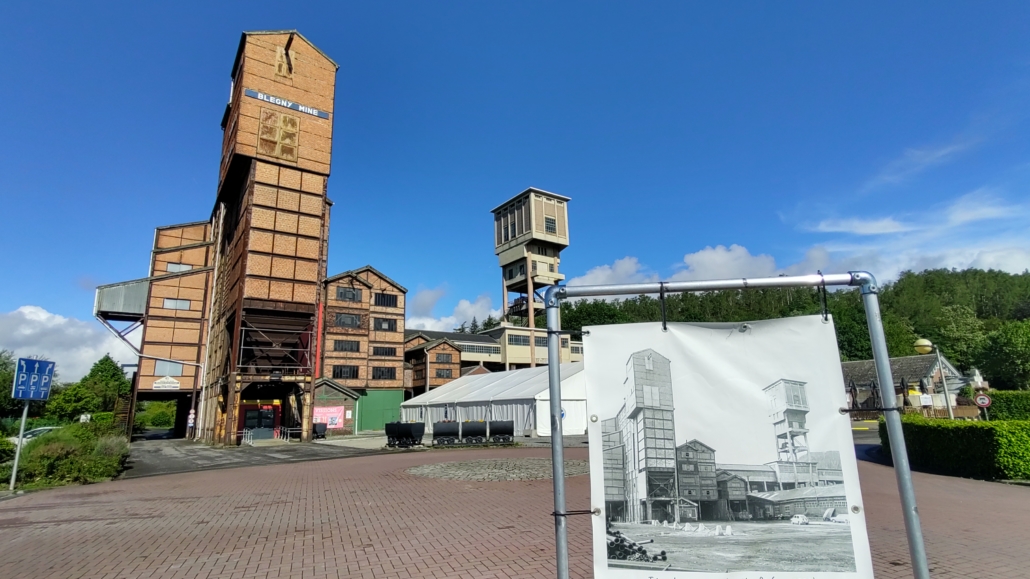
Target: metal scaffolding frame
870,301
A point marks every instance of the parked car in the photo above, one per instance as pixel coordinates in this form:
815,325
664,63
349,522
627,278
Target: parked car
799,520
34,433
842,519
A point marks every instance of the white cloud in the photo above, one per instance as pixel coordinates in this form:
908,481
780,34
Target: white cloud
422,303
863,226
721,262
914,161
625,270
463,312
980,205
75,345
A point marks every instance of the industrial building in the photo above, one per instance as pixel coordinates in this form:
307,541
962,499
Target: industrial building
522,396
241,323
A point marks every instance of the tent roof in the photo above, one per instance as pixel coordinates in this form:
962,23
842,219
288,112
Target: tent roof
522,384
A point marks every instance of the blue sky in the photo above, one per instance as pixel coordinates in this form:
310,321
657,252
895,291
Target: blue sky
696,141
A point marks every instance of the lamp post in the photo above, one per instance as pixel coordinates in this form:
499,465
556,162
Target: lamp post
924,346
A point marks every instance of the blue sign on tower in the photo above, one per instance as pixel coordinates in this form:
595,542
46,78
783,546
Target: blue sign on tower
32,379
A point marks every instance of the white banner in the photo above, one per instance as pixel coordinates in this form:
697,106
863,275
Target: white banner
719,451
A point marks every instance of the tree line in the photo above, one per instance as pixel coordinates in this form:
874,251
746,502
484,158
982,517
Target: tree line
979,319
97,391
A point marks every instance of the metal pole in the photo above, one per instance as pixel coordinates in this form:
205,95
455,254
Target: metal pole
561,534
944,382
21,442
902,471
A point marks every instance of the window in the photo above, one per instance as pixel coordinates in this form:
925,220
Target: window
345,371
706,468
348,294
649,362
385,325
170,304
177,267
540,341
386,300
577,349
550,267
277,135
518,340
443,358
348,320
163,368
479,349
564,342
511,273
384,373
534,266
443,372
346,346
687,467
383,351
522,269
550,225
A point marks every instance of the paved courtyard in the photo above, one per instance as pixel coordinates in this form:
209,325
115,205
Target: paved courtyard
368,516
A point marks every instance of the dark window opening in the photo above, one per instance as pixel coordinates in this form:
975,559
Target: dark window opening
345,371
384,373
386,300
346,346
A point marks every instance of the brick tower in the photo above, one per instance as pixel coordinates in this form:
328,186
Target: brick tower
270,230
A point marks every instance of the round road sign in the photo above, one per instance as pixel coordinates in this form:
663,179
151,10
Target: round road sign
982,400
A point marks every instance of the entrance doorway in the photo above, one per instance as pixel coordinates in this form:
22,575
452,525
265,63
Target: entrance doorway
261,421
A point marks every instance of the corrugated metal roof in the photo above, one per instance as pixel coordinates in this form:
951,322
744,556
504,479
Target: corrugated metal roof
521,384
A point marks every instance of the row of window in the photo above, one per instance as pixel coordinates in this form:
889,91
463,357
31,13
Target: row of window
349,294
480,349
355,346
522,340
352,372
354,321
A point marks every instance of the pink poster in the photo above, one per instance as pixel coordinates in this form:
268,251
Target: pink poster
331,416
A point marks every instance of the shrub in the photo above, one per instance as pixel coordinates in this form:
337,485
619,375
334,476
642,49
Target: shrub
162,418
1009,405
984,450
78,453
6,450
103,417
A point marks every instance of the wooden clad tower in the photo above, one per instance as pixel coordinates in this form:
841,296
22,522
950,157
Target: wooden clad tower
530,231
270,228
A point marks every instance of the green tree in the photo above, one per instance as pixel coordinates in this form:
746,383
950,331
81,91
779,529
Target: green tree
474,326
107,380
1005,358
490,323
71,401
462,329
960,335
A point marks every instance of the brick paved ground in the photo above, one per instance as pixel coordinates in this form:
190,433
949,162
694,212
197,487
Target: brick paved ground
366,517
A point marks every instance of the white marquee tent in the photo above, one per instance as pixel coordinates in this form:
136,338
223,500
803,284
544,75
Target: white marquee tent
518,395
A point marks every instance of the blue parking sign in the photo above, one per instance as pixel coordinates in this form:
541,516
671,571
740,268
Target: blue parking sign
32,379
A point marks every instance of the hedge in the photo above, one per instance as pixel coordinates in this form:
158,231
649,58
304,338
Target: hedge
1009,405
995,450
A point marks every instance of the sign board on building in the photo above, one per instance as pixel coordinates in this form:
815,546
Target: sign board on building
285,103
331,416
982,400
32,379
925,400
721,453
166,383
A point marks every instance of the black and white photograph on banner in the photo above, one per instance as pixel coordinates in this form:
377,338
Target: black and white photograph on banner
719,450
